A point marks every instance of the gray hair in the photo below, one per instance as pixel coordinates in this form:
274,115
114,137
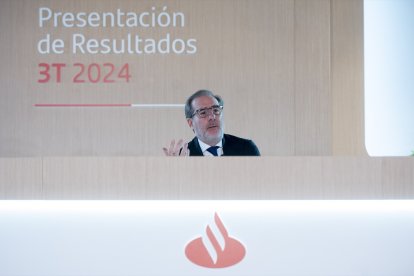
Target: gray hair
188,104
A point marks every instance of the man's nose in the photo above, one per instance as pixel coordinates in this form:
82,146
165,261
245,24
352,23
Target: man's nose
212,116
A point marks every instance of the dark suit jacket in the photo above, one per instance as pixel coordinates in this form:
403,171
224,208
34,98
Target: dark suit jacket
232,146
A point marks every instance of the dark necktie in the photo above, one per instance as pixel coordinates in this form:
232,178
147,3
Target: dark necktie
213,150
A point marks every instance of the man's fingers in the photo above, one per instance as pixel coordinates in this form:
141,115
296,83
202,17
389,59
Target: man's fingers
178,147
184,151
171,150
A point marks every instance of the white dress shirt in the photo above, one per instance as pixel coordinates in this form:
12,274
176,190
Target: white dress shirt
204,148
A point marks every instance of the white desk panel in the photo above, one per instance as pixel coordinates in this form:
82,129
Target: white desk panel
296,237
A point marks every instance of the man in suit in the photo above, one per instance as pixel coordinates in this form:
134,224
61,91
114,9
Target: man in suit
204,113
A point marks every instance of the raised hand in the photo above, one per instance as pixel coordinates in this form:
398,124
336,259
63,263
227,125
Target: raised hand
179,149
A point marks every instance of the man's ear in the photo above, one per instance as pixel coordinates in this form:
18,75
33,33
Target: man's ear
190,123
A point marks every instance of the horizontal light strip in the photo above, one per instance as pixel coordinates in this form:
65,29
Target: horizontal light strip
190,206
112,105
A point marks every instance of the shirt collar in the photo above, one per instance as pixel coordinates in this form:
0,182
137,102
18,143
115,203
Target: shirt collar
204,146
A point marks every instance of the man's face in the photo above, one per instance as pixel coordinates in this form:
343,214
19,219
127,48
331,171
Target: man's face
208,129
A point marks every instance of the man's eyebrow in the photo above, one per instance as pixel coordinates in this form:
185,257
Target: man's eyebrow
207,107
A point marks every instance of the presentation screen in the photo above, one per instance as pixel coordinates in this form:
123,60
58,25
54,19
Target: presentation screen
110,78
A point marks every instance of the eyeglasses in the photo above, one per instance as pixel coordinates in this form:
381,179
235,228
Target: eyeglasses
204,112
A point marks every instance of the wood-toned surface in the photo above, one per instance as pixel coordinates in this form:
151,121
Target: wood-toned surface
313,99
207,178
347,77
290,72
21,178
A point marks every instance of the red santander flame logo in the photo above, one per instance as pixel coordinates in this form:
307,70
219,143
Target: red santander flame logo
216,249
